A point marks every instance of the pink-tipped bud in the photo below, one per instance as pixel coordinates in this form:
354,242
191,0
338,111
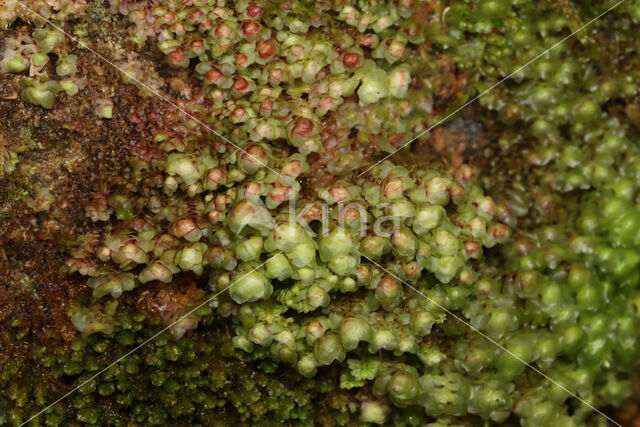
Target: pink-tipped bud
351,60
393,188
280,193
412,270
473,249
177,58
312,213
276,75
252,159
499,231
242,60
266,49
213,75
250,29
396,49
266,106
303,127
350,214
367,40
254,11
223,31
215,177
197,16
240,84
187,229
238,114
205,25
252,190
338,193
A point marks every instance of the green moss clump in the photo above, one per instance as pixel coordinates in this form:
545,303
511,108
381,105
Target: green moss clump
361,292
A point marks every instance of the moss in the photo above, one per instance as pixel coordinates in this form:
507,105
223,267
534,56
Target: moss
535,245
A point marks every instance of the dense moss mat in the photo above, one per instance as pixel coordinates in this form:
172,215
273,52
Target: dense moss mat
224,186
